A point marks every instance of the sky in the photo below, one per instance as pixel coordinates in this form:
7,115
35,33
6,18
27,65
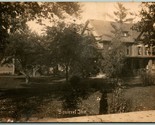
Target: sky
95,10
98,10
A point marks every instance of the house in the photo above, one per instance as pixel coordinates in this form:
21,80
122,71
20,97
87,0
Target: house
138,55
7,68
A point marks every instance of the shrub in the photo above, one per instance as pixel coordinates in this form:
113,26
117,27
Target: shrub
146,77
117,102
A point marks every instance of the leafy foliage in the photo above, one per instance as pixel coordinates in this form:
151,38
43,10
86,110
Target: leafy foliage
88,58
114,55
145,25
147,77
118,104
14,15
69,48
25,47
62,44
113,61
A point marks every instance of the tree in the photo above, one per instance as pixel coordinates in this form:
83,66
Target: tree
113,60
121,15
62,43
87,63
114,56
14,15
145,25
70,49
25,48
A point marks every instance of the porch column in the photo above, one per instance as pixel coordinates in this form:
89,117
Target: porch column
151,50
150,65
143,50
13,66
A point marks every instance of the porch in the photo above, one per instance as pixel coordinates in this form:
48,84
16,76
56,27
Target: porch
141,62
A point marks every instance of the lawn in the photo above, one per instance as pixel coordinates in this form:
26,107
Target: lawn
46,97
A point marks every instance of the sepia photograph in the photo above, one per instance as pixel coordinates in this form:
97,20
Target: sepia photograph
77,62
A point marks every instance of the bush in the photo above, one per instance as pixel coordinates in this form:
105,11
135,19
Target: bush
147,78
117,102
75,80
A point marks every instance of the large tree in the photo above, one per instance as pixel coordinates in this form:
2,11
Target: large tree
146,24
63,41
14,15
114,56
122,14
27,51
70,49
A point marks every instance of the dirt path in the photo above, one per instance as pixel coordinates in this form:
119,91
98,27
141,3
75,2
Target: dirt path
141,116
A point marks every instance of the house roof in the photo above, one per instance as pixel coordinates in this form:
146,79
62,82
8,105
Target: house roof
104,30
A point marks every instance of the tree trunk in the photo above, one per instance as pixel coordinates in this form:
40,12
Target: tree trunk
13,66
34,73
34,70
27,79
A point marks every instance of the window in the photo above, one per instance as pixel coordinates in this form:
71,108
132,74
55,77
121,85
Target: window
127,50
153,50
125,33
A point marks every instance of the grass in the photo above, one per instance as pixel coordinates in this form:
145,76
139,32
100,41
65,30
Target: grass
45,97
143,98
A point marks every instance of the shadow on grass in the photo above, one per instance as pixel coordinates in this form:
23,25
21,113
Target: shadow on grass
40,99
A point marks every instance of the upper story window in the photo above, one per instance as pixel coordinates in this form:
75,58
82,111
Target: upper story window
125,34
100,45
128,50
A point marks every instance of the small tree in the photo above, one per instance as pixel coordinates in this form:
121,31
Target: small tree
113,58
112,63
87,63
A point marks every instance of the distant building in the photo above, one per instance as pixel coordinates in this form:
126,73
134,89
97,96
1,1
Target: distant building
7,68
139,56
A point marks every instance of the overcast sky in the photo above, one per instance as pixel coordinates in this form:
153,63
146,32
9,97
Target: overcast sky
96,10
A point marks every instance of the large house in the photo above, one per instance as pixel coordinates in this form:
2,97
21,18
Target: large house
139,56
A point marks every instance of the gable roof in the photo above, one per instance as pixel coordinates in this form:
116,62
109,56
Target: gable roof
103,29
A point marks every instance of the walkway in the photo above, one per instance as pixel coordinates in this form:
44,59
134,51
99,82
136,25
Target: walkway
141,116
